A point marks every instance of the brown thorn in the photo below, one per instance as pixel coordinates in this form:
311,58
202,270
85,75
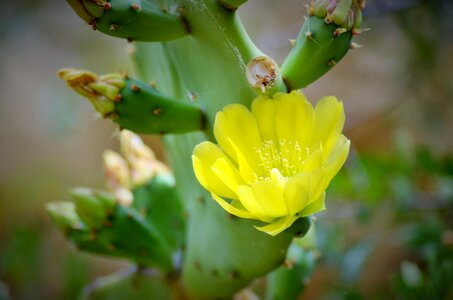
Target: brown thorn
135,6
332,63
113,115
92,23
135,88
288,264
355,46
339,31
114,27
157,111
118,98
107,6
234,274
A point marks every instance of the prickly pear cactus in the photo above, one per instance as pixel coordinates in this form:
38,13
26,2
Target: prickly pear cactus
250,161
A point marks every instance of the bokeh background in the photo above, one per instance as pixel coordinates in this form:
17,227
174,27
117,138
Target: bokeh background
388,230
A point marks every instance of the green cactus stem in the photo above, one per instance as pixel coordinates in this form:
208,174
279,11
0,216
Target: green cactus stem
134,105
159,205
133,20
144,243
288,281
223,254
133,283
323,41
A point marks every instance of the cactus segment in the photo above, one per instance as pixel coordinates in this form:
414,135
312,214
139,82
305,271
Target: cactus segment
133,283
232,4
236,254
318,48
123,232
134,105
159,205
137,20
143,109
288,281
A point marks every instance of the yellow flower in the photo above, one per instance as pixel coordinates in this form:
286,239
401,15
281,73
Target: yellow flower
273,164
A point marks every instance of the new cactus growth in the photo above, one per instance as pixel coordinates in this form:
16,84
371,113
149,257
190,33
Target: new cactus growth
273,163
323,41
134,105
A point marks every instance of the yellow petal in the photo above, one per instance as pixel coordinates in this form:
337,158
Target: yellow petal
204,156
263,108
235,124
252,204
228,174
278,226
313,161
294,118
232,209
270,196
247,172
336,159
329,122
316,206
302,190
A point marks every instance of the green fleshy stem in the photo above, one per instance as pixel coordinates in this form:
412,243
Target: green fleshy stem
134,105
123,233
318,48
288,281
138,21
143,109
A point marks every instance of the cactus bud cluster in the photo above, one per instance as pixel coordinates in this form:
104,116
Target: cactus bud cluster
132,20
323,41
345,13
93,207
101,91
137,167
134,105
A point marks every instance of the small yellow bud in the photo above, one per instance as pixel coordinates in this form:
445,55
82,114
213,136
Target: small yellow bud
116,169
142,162
101,91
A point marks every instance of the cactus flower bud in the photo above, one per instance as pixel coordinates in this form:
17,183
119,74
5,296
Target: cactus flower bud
64,215
91,207
277,170
142,162
100,91
118,177
345,13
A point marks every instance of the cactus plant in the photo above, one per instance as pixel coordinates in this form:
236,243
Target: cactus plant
198,59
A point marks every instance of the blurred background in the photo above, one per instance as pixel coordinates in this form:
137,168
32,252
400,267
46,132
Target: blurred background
388,230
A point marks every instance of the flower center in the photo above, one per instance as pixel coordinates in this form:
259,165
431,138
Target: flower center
281,160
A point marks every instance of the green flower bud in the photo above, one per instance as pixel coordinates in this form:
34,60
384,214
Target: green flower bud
64,215
92,207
